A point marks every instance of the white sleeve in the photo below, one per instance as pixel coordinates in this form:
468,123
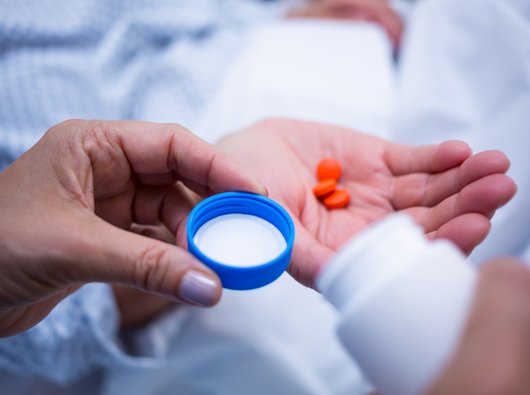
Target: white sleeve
403,303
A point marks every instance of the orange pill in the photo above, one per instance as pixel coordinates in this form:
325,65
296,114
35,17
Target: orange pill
324,187
338,199
328,168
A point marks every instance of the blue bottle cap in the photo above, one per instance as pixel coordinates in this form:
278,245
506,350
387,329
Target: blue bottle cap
268,212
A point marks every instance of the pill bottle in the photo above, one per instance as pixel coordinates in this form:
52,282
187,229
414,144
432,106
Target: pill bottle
403,302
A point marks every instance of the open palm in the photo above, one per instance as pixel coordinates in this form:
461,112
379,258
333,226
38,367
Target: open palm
451,193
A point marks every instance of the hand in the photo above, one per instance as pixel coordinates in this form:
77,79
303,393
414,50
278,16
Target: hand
377,11
66,207
494,354
446,190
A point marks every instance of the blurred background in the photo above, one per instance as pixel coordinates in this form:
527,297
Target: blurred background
410,71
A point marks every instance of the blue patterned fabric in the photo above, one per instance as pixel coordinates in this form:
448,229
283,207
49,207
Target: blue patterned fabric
80,335
156,60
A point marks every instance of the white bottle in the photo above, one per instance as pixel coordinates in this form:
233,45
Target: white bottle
403,302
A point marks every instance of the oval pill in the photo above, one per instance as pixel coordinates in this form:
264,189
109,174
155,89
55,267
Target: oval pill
324,187
338,199
328,168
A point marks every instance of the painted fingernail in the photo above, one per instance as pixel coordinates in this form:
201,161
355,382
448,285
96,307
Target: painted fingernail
198,289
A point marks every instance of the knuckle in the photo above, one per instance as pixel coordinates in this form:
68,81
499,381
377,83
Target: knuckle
178,134
176,128
94,132
151,268
65,129
101,139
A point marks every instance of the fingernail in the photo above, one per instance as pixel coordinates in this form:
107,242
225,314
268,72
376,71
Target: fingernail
198,289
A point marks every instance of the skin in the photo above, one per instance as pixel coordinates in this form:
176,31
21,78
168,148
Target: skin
376,11
446,189
67,205
494,355
95,201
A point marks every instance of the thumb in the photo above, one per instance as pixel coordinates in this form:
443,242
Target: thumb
309,256
112,255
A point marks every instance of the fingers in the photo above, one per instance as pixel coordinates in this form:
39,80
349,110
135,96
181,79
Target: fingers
104,253
483,197
404,159
457,203
157,232
138,307
465,231
167,205
421,189
157,151
494,354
